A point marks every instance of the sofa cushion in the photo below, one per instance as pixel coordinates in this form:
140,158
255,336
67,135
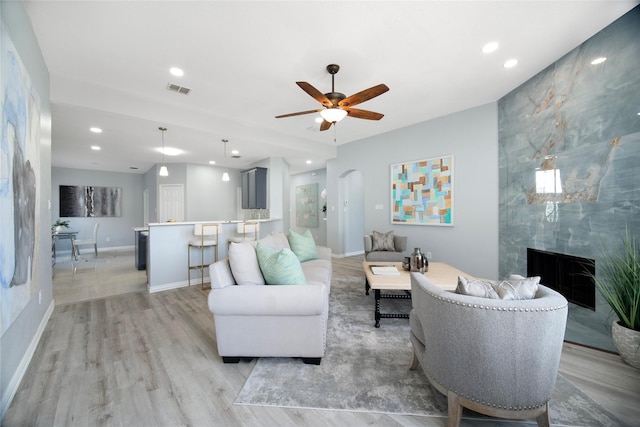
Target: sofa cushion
317,270
276,240
303,245
279,266
476,288
383,241
244,264
513,289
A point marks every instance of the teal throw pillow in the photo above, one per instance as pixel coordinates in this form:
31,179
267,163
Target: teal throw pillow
279,266
303,245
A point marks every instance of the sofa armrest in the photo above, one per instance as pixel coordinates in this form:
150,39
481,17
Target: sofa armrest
324,252
220,274
368,243
400,243
268,300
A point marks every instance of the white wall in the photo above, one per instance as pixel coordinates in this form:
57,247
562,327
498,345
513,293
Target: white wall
471,136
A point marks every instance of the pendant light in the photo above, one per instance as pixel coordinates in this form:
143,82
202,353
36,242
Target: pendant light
225,176
163,169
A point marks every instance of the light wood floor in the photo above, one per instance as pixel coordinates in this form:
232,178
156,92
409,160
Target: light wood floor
150,359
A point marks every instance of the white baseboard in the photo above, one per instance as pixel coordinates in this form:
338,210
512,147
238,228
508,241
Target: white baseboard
175,285
348,254
16,379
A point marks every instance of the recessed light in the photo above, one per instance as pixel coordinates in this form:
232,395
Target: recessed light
95,147
490,47
95,130
510,63
599,60
212,162
235,152
170,151
176,72
308,162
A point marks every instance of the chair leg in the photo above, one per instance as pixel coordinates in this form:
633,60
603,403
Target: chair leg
543,419
455,410
95,247
415,362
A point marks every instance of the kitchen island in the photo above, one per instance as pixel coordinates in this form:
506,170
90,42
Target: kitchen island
167,264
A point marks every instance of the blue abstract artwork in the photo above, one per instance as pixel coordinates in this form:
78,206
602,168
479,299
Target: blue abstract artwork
19,176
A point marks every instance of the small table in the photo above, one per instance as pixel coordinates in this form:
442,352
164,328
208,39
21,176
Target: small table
71,235
440,274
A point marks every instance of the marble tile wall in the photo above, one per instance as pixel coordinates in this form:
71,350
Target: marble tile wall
584,121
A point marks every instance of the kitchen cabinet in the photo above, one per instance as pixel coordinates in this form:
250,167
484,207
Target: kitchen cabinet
254,188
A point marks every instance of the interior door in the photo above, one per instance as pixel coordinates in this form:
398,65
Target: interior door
171,202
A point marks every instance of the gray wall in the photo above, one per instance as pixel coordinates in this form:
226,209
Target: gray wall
585,118
116,229
471,137
208,196
17,343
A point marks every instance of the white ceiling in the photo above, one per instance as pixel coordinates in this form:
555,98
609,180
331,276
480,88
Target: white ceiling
109,65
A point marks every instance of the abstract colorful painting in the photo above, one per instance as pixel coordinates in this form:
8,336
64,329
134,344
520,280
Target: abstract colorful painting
19,178
307,205
422,192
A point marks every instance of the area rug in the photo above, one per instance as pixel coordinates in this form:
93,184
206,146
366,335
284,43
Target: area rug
366,369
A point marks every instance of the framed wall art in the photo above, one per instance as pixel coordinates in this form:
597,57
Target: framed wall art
307,205
89,201
422,192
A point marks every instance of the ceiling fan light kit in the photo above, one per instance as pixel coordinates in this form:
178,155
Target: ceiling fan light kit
333,115
336,105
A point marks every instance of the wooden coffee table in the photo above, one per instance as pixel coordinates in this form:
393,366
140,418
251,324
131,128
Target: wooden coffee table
439,273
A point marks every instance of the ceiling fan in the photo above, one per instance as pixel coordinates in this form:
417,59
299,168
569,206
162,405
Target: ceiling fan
336,105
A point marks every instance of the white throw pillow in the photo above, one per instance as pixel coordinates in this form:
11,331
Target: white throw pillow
244,264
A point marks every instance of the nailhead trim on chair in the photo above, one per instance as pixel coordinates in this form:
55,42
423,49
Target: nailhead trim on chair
471,305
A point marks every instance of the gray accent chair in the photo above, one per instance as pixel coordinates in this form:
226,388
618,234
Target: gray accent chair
399,242
496,357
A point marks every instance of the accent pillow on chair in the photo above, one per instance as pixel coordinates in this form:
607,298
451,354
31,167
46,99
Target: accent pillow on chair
512,289
303,245
279,266
383,241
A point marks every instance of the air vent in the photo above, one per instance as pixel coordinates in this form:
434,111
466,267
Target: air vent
236,157
180,89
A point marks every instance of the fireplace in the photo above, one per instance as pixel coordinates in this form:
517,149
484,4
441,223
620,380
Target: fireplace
566,274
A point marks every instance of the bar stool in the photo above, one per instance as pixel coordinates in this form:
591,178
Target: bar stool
243,229
205,235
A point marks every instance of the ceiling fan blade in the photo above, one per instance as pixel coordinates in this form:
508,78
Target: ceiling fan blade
325,125
364,95
315,94
299,113
363,114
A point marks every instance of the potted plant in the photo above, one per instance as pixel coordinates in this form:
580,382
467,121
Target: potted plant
619,284
60,225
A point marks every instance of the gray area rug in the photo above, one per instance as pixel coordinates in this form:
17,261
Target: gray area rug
366,369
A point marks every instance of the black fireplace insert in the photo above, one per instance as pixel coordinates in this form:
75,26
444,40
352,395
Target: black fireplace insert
570,275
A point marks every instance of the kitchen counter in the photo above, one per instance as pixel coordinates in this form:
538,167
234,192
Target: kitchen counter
167,262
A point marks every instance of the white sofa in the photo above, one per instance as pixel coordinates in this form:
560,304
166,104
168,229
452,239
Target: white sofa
259,320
